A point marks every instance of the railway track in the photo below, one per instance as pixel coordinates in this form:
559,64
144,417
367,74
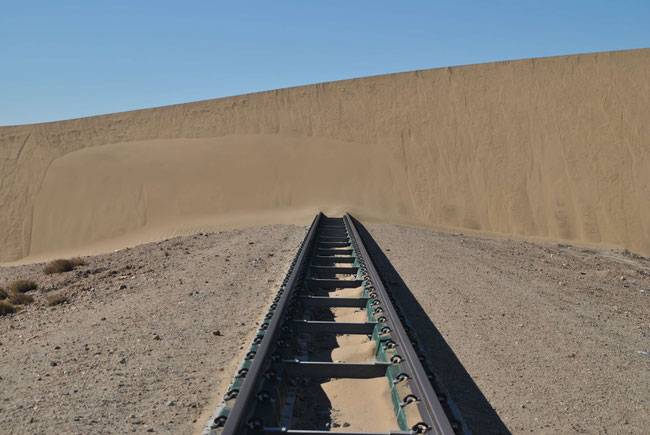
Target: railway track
333,353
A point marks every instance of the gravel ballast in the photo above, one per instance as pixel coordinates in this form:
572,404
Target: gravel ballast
528,337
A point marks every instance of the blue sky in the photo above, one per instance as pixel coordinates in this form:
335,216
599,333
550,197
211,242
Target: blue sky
67,59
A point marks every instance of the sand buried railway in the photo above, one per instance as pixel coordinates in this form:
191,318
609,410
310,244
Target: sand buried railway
333,353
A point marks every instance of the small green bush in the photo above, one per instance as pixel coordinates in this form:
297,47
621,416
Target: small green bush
22,286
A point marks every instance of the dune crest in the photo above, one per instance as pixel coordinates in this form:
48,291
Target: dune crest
555,147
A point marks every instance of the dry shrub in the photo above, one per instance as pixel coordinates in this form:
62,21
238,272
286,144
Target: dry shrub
60,266
56,300
16,298
3,294
78,261
22,286
6,308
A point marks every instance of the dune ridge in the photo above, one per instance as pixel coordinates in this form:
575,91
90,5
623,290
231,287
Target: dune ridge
554,147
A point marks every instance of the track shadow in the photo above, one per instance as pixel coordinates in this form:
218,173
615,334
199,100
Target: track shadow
312,408
477,413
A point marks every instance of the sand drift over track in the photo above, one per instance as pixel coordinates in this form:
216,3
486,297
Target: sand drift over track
555,147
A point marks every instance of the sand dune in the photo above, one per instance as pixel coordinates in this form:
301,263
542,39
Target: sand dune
554,147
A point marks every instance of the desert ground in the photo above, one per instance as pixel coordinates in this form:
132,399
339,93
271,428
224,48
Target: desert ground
555,337
150,338
527,337
555,148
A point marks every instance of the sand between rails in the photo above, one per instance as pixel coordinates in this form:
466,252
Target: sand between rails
551,335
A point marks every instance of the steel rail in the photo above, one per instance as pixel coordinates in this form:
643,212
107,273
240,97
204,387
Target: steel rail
241,408
315,271
429,406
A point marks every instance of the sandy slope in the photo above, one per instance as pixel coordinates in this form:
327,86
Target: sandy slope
555,147
181,187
